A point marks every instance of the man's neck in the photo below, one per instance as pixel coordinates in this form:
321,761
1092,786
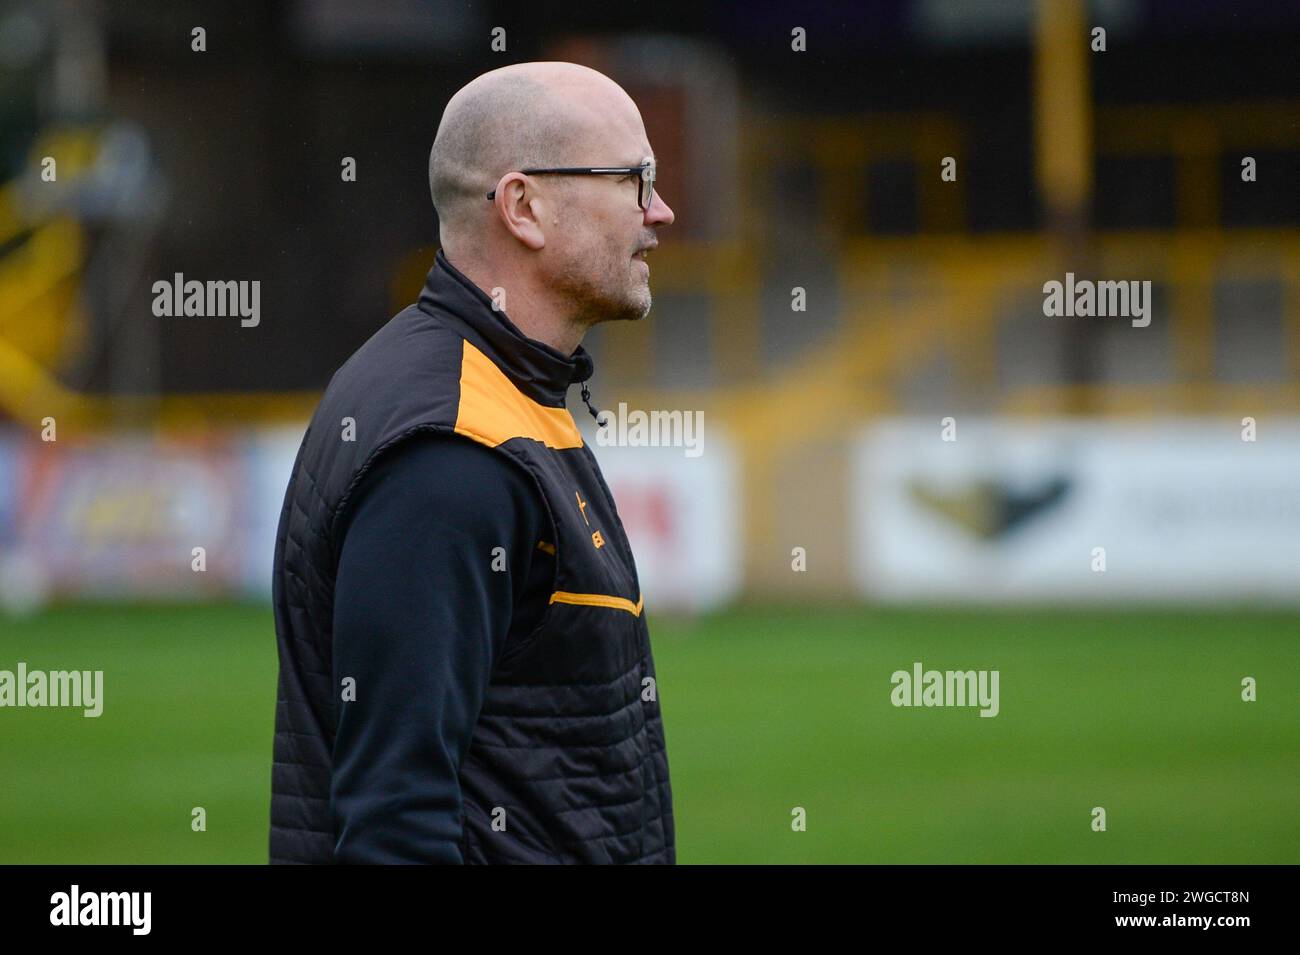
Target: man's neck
531,309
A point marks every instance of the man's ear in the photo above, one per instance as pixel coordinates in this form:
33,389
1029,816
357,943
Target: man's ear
520,210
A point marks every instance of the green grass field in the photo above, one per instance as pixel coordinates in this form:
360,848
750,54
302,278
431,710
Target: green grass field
764,709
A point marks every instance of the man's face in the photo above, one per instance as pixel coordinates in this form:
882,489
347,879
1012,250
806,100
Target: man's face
601,263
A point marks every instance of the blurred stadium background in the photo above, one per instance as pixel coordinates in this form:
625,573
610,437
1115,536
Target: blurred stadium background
817,171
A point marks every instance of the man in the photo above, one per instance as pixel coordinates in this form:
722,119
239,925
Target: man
465,668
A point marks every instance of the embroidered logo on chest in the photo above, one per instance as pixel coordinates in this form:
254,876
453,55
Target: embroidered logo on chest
596,538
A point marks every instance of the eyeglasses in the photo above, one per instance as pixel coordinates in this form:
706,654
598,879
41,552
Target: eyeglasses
645,187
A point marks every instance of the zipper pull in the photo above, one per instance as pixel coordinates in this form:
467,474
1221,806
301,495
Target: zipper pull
586,397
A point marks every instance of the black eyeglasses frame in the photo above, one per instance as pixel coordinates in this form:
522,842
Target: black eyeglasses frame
646,172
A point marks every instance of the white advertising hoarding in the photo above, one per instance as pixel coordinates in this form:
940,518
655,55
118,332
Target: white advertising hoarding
1163,510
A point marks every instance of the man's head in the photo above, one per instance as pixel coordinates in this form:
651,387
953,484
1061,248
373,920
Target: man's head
576,241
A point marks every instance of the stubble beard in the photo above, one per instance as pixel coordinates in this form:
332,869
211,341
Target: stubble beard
615,292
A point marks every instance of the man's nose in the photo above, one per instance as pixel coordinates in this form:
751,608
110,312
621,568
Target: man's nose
659,212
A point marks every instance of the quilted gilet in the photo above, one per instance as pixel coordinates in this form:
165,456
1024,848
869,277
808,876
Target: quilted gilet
567,762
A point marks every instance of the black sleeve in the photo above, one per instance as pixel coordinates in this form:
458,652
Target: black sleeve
420,614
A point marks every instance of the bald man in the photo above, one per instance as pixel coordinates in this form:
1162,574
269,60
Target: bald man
465,666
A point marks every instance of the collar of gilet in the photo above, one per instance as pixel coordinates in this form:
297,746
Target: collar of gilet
541,372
